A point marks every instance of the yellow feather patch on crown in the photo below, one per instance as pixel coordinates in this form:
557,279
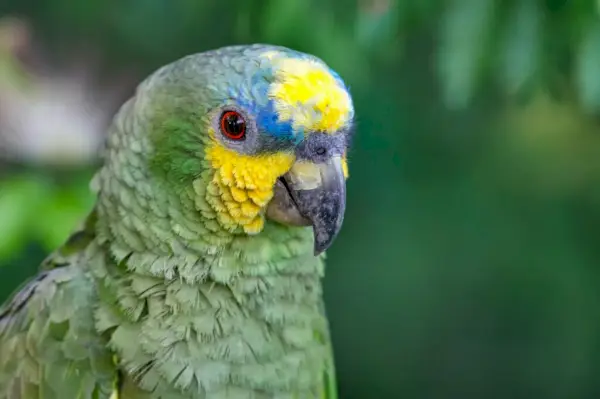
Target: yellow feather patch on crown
242,185
309,96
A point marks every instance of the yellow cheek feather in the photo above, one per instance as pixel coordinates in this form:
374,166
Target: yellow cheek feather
345,166
242,185
309,96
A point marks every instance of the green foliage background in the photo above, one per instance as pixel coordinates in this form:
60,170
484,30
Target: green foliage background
469,265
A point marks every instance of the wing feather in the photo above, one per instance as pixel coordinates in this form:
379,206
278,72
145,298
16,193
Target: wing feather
49,347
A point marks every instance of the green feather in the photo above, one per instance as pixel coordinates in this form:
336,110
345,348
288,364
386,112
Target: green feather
48,341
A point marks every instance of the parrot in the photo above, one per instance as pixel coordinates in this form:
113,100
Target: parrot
197,272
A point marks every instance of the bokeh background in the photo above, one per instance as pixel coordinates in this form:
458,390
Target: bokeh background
469,265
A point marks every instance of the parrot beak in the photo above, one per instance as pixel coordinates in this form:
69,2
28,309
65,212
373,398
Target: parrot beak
312,194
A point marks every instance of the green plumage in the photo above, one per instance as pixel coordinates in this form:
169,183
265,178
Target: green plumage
49,346
152,298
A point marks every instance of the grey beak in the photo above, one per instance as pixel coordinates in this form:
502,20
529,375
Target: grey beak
318,191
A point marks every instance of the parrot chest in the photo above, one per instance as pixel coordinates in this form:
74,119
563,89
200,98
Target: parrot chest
259,336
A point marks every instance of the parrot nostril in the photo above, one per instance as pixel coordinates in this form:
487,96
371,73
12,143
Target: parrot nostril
321,151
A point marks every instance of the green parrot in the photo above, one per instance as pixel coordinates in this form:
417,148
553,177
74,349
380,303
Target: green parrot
198,272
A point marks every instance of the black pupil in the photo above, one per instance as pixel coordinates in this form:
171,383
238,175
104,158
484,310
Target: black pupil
234,124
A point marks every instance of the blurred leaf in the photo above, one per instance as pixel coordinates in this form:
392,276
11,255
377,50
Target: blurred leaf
19,200
423,9
463,37
147,24
376,22
377,31
12,71
285,19
62,213
588,69
522,41
81,15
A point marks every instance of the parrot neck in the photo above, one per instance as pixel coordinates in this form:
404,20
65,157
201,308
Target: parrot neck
255,322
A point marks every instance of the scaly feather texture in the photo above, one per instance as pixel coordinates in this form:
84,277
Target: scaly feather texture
49,346
177,286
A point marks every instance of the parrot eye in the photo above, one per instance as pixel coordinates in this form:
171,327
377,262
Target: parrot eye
233,125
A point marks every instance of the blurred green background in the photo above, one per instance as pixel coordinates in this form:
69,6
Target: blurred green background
469,264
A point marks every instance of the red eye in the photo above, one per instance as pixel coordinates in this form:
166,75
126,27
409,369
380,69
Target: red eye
233,125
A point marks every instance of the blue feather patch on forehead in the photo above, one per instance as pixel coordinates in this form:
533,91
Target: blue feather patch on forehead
256,101
268,121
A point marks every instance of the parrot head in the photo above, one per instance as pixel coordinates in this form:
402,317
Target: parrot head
255,133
